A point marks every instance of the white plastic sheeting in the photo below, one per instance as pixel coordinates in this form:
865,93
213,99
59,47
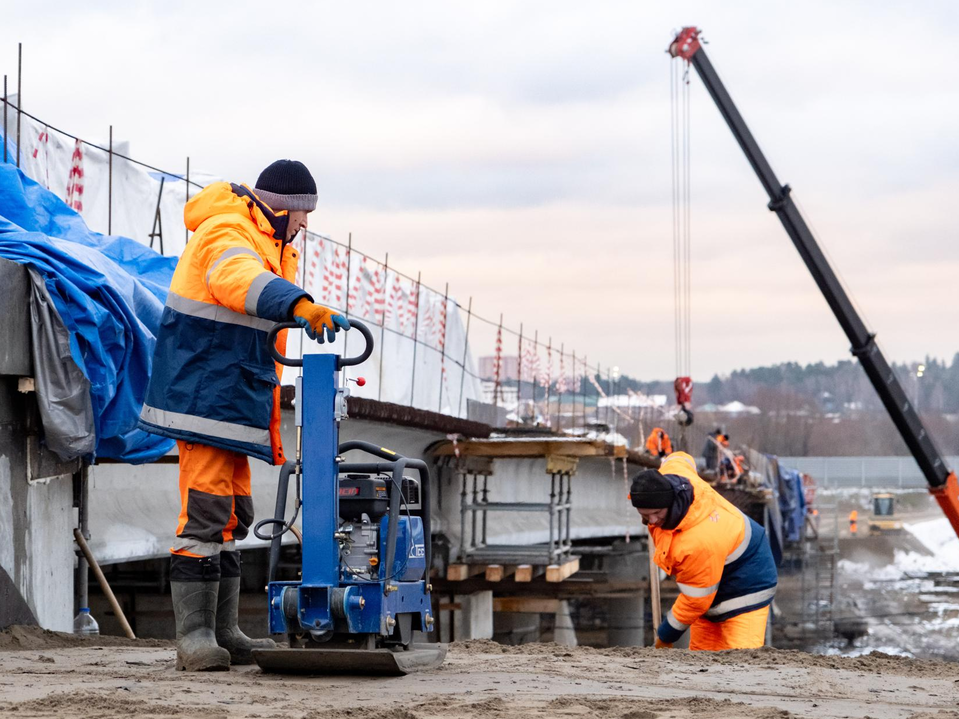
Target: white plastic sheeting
427,373
47,156
436,372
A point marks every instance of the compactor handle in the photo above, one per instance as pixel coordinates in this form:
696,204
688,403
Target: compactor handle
343,361
367,351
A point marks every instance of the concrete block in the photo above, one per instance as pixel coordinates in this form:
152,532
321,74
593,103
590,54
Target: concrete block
625,628
564,633
474,619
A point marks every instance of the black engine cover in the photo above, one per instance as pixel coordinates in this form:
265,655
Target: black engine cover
363,494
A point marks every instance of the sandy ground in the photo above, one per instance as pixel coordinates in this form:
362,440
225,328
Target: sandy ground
46,675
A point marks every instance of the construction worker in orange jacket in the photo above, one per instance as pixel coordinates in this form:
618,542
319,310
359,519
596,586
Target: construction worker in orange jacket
658,444
216,390
720,558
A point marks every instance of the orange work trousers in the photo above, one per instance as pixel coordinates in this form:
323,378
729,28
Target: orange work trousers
744,631
216,506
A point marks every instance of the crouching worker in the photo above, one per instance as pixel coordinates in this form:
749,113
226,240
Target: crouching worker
215,389
719,557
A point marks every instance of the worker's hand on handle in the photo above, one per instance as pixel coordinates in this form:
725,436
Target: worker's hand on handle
315,318
660,644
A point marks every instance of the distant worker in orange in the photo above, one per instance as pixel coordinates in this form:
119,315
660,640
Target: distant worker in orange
853,521
720,558
658,443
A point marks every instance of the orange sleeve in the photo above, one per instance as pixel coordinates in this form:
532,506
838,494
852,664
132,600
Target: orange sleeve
229,264
697,576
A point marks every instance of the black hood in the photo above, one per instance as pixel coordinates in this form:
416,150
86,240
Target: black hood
682,499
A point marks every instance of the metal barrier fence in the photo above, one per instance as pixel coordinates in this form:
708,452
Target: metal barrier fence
429,337
872,472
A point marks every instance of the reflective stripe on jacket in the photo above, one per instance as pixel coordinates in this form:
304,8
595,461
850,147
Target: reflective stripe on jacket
214,381
719,557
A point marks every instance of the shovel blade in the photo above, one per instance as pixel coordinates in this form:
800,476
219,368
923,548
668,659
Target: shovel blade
383,662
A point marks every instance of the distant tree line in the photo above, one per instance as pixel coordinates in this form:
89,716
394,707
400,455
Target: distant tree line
823,409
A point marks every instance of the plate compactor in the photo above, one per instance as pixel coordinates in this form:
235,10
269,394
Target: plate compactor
364,588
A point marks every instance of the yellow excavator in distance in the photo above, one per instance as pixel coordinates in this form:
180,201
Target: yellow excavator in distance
883,517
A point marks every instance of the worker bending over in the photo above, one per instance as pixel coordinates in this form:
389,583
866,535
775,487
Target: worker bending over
719,557
216,390
658,443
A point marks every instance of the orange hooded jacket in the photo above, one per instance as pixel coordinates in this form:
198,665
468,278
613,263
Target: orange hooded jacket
719,556
214,381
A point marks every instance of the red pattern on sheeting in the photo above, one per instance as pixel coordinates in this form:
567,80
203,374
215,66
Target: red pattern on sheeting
75,179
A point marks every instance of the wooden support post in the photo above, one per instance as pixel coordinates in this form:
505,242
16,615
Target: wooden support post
524,573
462,572
654,598
104,585
559,572
498,572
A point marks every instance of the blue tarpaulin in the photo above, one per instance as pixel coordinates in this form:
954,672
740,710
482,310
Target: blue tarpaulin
109,293
792,503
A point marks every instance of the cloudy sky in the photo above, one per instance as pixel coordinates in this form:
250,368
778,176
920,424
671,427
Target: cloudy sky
520,151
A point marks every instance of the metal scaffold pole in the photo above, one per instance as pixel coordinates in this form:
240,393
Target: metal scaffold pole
187,231
446,297
416,330
19,95
110,186
386,273
4,118
466,346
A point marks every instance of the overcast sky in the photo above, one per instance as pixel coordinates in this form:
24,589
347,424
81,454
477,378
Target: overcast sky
520,151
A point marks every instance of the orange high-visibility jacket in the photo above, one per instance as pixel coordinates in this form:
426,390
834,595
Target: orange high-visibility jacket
214,381
658,441
720,558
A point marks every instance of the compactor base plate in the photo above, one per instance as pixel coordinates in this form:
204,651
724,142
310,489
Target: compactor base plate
318,661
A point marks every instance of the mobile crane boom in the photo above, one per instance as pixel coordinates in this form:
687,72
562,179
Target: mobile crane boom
942,481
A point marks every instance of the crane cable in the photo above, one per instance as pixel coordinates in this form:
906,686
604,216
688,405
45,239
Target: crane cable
681,207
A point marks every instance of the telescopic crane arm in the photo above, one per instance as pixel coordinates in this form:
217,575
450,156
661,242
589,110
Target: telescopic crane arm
942,481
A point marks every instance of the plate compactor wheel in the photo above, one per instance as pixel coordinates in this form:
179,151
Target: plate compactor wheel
383,661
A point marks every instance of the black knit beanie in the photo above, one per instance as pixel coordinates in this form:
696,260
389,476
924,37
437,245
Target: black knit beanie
651,490
287,185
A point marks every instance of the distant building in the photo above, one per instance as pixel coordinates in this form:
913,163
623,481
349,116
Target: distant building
509,370
508,396
734,408
633,399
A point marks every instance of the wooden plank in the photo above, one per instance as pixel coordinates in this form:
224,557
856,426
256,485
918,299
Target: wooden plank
526,605
560,464
460,572
539,587
497,572
538,448
559,572
524,573
450,606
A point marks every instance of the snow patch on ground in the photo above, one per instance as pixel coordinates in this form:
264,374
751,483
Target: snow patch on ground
940,538
865,651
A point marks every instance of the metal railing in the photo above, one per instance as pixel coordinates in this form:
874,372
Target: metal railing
555,379
872,472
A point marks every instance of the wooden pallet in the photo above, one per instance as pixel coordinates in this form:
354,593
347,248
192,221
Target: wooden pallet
520,572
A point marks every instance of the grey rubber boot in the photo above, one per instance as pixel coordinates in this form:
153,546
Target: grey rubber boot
194,604
228,634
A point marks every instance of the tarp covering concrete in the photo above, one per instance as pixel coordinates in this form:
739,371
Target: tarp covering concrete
107,293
